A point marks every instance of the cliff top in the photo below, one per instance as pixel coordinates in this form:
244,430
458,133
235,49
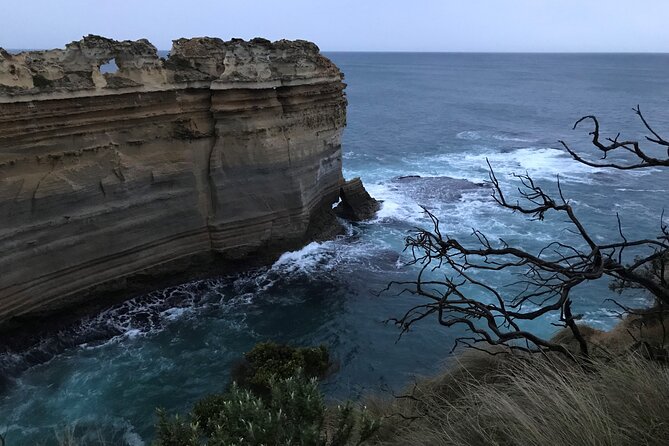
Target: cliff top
197,62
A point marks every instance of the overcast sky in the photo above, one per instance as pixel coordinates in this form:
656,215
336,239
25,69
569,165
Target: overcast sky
352,25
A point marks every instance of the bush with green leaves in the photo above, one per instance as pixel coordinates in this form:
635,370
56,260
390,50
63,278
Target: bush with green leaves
279,404
176,431
295,414
269,360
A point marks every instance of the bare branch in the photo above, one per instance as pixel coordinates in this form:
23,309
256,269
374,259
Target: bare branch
632,147
493,315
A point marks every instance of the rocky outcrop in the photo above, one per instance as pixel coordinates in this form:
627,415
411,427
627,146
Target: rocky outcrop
224,149
356,204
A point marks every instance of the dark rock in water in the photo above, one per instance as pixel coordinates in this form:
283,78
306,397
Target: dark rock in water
356,203
323,225
435,189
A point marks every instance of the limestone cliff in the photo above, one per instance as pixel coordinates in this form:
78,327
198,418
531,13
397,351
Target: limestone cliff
225,147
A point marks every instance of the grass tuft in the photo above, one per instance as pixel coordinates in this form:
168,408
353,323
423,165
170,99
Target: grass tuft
521,400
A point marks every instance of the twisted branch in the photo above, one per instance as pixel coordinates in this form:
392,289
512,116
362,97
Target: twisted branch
492,315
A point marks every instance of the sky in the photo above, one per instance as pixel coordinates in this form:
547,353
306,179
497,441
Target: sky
352,25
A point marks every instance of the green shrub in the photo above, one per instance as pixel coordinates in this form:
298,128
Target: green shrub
279,404
207,410
268,360
345,425
175,431
294,414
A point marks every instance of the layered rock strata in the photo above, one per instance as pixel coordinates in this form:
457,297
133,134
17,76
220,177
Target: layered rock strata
224,149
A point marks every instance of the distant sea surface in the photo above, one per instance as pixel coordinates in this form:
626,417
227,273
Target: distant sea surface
437,116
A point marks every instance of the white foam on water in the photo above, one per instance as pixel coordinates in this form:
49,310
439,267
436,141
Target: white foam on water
623,189
315,261
476,208
396,204
540,163
461,215
306,260
312,260
133,333
469,135
172,314
146,315
477,135
504,137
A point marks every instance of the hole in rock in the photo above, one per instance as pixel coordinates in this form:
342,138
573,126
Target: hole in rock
109,67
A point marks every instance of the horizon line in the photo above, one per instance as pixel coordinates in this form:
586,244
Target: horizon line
427,52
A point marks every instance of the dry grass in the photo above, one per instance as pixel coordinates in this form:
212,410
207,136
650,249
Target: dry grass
537,401
622,398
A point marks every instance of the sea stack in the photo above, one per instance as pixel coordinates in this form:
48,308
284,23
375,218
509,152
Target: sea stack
223,150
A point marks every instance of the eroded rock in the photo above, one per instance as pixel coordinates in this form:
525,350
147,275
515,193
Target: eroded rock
258,63
356,204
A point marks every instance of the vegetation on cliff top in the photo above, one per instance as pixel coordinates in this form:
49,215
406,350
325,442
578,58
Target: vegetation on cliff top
529,401
269,361
619,396
275,400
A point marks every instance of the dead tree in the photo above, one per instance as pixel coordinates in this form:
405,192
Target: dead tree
492,315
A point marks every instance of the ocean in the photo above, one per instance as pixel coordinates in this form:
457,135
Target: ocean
435,116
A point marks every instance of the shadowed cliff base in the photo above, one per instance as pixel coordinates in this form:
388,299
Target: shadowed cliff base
23,333
213,160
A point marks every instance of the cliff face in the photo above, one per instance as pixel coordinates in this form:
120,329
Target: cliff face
224,148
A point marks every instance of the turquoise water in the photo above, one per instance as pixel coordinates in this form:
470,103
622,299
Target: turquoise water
434,115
